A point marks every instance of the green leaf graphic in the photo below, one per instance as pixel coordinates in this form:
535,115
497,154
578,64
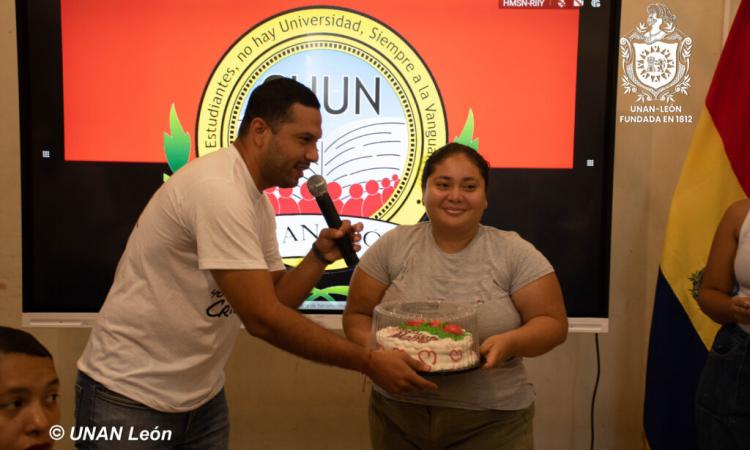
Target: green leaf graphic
467,134
326,293
176,146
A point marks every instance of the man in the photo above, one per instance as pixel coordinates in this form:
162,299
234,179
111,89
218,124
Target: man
28,392
203,257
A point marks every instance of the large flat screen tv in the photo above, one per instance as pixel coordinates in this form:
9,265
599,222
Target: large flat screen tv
116,96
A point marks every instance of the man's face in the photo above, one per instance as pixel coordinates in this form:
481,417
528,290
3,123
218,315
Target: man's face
292,147
28,401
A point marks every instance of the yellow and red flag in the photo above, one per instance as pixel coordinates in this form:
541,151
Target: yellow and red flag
716,173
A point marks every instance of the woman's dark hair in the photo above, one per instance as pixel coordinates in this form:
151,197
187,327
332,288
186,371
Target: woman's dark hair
451,149
272,101
18,341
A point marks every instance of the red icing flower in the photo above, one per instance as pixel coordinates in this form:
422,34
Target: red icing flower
435,323
453,329
415,323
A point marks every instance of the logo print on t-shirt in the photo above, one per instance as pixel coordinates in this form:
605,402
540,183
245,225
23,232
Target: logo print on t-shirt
220,307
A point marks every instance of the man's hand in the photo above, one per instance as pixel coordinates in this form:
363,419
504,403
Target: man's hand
326,242
394,371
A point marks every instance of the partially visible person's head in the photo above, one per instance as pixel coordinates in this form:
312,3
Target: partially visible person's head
272,101
28,392
452,149
454,188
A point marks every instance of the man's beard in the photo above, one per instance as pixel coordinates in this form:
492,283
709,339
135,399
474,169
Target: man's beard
275,170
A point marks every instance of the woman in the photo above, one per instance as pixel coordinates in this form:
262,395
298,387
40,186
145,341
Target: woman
723,396
455,258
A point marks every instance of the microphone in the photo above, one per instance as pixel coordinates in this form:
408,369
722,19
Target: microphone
319,189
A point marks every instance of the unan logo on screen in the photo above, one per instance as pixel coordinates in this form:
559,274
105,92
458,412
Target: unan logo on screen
382,117
656,57
655,60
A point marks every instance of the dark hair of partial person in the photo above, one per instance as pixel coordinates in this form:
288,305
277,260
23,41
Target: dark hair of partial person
18,341
272,101
451,149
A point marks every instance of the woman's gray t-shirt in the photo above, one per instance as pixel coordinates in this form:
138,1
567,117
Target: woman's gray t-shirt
487,272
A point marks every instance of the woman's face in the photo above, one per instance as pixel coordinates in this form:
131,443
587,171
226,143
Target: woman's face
28,401
455,196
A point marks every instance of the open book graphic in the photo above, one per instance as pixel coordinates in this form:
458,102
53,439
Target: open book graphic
362,151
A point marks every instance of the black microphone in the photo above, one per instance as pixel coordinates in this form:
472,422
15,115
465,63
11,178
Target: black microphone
319,189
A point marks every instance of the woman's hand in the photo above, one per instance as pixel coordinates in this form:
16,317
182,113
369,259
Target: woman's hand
741,309
495,350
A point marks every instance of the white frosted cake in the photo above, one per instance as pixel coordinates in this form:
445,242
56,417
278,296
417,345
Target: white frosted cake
436,333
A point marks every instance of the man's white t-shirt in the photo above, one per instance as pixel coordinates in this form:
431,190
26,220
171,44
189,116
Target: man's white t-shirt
165,331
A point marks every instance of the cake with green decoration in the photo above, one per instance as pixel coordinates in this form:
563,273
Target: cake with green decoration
444,346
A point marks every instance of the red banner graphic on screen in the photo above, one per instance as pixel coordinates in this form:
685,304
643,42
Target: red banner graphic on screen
125,63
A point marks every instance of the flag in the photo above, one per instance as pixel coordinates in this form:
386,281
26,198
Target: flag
716,173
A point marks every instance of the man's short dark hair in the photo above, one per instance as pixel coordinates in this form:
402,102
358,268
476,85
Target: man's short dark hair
272,101
451,149
18,341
